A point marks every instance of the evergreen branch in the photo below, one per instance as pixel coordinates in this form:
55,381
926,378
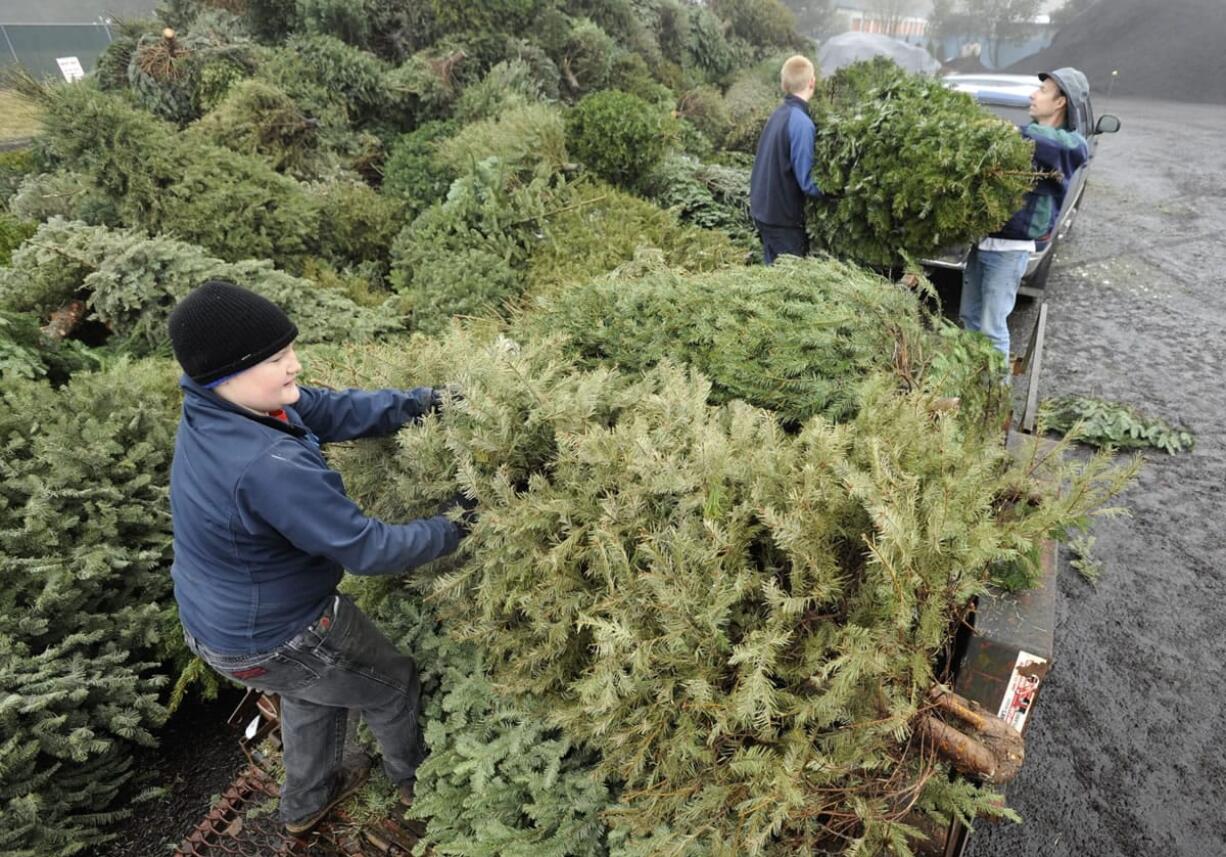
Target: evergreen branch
554,212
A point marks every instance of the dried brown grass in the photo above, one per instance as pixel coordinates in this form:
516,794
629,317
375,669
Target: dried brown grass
18,116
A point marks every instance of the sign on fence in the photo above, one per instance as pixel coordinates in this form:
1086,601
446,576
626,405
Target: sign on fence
70,67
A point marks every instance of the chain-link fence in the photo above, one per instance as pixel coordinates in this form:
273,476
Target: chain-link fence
35,33
36,47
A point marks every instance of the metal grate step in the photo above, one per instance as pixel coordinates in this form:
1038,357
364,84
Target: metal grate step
244,821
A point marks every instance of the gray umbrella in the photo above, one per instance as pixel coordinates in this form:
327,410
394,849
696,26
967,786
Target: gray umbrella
853,47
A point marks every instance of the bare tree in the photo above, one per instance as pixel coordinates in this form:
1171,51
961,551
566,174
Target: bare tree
942,15
814,18
1071,9
891,14
1002,20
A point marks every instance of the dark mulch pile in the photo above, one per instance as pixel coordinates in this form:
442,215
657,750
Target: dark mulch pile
198,757
1167,49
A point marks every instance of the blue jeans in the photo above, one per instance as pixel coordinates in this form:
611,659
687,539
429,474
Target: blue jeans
341,661
989,291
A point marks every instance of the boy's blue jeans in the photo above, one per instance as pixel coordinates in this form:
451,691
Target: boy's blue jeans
989,291
782,240
341,661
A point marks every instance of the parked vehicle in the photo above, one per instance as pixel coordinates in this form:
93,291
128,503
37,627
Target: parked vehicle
1008,96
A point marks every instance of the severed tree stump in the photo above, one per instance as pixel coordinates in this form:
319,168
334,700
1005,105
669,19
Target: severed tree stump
989,749
65,320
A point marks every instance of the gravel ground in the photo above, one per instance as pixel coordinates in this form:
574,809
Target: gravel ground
1125,755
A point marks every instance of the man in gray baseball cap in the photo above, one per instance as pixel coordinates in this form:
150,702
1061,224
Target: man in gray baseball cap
1072,85
995,268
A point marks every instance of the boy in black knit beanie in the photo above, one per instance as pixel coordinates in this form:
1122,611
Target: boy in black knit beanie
263,530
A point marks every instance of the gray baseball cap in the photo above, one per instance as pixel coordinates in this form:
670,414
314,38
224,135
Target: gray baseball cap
1075,88
1071,82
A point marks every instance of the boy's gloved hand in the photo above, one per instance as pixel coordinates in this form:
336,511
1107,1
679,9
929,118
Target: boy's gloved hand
467,507
446,393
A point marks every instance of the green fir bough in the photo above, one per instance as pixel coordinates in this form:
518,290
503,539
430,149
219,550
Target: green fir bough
85,531
911,166
1111,424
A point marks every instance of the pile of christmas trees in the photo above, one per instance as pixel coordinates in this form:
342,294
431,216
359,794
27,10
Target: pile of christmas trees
308,151
730,622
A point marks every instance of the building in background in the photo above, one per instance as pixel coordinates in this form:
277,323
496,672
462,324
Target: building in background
36,33
905,20
957,34
970,43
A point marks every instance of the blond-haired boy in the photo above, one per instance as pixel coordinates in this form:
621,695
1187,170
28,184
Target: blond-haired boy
263,531
782,170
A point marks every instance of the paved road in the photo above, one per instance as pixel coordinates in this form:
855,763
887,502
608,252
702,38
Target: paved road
1127,754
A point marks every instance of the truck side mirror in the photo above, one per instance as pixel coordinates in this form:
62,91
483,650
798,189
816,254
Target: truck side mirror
1107,124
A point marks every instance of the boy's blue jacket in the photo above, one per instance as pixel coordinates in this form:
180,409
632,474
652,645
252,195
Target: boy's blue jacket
1055,151
263,527
783,168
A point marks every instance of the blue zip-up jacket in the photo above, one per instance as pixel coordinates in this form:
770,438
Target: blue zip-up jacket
1055,151
263,527
782,169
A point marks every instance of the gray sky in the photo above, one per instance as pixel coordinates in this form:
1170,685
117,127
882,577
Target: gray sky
1047,7
70,11
923,7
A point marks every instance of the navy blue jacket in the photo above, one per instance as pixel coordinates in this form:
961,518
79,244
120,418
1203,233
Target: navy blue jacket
783,168
263,527
1058,153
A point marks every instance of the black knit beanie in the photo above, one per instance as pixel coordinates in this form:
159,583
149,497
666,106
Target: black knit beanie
220,329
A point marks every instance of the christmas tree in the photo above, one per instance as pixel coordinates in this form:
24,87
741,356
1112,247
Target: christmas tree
797,338
911,167
130,282
86,541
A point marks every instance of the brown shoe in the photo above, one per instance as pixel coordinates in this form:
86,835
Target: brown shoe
406,791
351,779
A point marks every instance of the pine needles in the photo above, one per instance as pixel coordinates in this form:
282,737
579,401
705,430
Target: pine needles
1111,425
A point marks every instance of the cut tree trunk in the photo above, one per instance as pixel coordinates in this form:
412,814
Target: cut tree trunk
993,750
65,320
